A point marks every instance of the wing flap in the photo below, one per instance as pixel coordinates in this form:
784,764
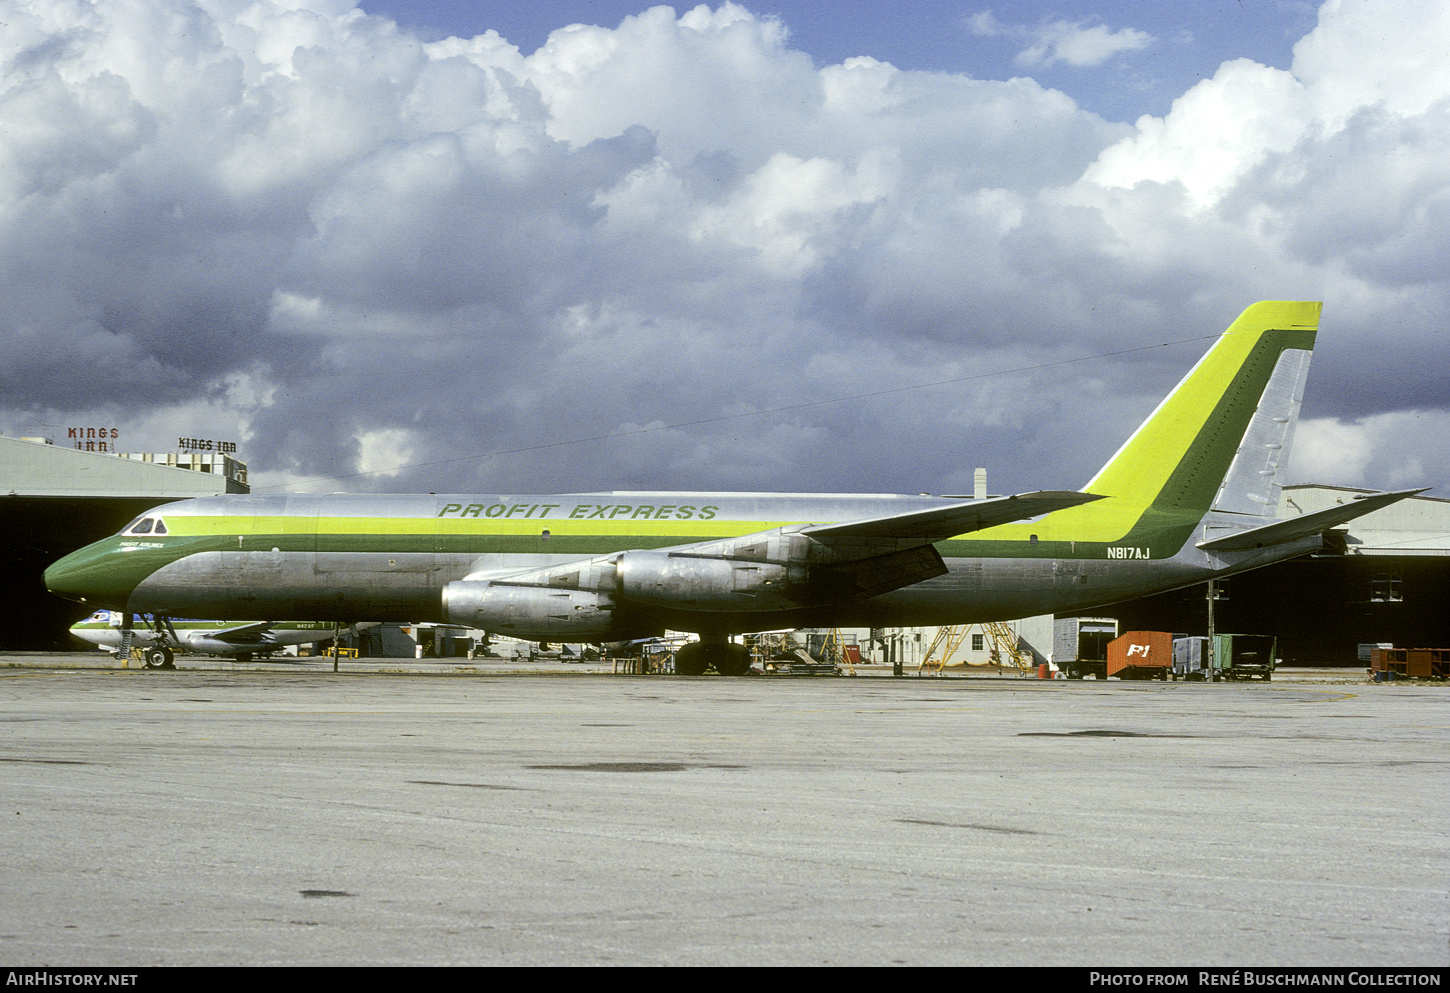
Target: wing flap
884,573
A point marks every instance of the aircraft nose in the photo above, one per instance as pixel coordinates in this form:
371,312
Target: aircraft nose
100,574
64,578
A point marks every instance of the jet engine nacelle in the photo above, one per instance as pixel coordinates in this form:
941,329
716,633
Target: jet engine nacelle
530,612
216,646
706,583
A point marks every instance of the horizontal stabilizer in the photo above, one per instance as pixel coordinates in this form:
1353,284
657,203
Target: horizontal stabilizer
946,522
1305,525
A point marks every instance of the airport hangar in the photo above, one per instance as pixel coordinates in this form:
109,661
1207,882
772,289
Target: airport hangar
1384,580
1387,581
59,498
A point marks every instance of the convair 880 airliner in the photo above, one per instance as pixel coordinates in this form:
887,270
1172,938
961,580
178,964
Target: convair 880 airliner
1191,496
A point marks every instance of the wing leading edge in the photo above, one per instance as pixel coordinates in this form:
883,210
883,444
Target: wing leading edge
941,523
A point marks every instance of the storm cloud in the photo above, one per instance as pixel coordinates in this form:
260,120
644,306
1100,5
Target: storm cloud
678,253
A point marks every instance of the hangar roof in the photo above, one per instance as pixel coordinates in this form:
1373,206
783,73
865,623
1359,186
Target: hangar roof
35,468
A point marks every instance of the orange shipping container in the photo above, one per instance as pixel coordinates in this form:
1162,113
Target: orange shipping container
1152,650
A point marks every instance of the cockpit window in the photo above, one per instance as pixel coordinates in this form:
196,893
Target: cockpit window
146,525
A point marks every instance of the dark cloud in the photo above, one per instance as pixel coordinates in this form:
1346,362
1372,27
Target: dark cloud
678,253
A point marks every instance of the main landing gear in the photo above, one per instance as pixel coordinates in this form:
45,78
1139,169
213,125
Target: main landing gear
159,657
712,652
158,654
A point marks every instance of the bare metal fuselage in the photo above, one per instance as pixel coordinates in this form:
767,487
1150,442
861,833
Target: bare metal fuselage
388,558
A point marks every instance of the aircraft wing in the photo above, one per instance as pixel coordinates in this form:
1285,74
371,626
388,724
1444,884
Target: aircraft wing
791,566
941,523
250,633
1306,524
869,557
